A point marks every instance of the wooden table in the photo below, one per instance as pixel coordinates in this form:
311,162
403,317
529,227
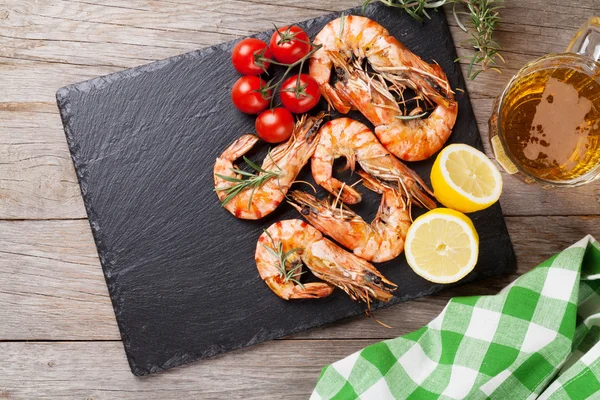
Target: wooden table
58,335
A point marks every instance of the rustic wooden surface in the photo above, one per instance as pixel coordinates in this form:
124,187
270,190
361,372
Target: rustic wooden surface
58,336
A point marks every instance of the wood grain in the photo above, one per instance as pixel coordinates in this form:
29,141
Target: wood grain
37,179
51,285
45,45
88,370
52,288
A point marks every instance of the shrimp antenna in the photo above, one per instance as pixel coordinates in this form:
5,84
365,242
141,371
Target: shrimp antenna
306,183
339,195
356,183
382,324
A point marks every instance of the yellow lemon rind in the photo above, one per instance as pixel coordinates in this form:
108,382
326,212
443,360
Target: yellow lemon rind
453,196
450,215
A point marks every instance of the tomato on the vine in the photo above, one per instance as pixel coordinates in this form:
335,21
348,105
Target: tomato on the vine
250,56
289,44
275,125
300,94
249,95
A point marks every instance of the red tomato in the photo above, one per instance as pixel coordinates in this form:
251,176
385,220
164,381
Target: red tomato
247,95
300,96
246,56
275,125
289,44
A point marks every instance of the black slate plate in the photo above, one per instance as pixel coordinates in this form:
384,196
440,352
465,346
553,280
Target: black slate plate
180,269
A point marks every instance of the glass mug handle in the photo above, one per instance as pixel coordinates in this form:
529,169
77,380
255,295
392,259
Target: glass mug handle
587,40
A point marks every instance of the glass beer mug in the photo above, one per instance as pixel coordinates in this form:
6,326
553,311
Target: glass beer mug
545,126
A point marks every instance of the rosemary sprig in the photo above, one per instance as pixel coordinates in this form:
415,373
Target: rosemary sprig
483,16
254,180
415,8
484,19
282,257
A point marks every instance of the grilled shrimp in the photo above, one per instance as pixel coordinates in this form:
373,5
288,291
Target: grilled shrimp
291,241
281,244
276,175
348,40
379,241
346,43
345,137
418,139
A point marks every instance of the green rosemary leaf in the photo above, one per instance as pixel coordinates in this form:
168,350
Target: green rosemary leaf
289,252
244,173
276,250
270,250
230,196
474,75
253,181
251,197
269,154
297,283
253,165
228,179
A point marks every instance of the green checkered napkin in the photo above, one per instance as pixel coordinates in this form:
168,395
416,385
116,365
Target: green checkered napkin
538,338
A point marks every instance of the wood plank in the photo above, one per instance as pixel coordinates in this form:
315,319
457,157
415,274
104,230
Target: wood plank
52,288
51,284
108,37
37,179
44,46
93,370
28,62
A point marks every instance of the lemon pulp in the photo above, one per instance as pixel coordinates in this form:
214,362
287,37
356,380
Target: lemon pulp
442,245
464,179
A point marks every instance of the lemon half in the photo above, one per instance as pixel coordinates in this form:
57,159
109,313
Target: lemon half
465,179
442,245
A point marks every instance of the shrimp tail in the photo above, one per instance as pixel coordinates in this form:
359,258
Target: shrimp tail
336,98
279,262
240,147
224,165
287,291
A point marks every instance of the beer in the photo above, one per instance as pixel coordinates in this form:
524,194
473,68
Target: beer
545,125
550,119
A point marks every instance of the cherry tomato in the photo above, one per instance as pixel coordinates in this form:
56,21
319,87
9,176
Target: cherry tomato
247,95
246,56
275,125
289,44
300,96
